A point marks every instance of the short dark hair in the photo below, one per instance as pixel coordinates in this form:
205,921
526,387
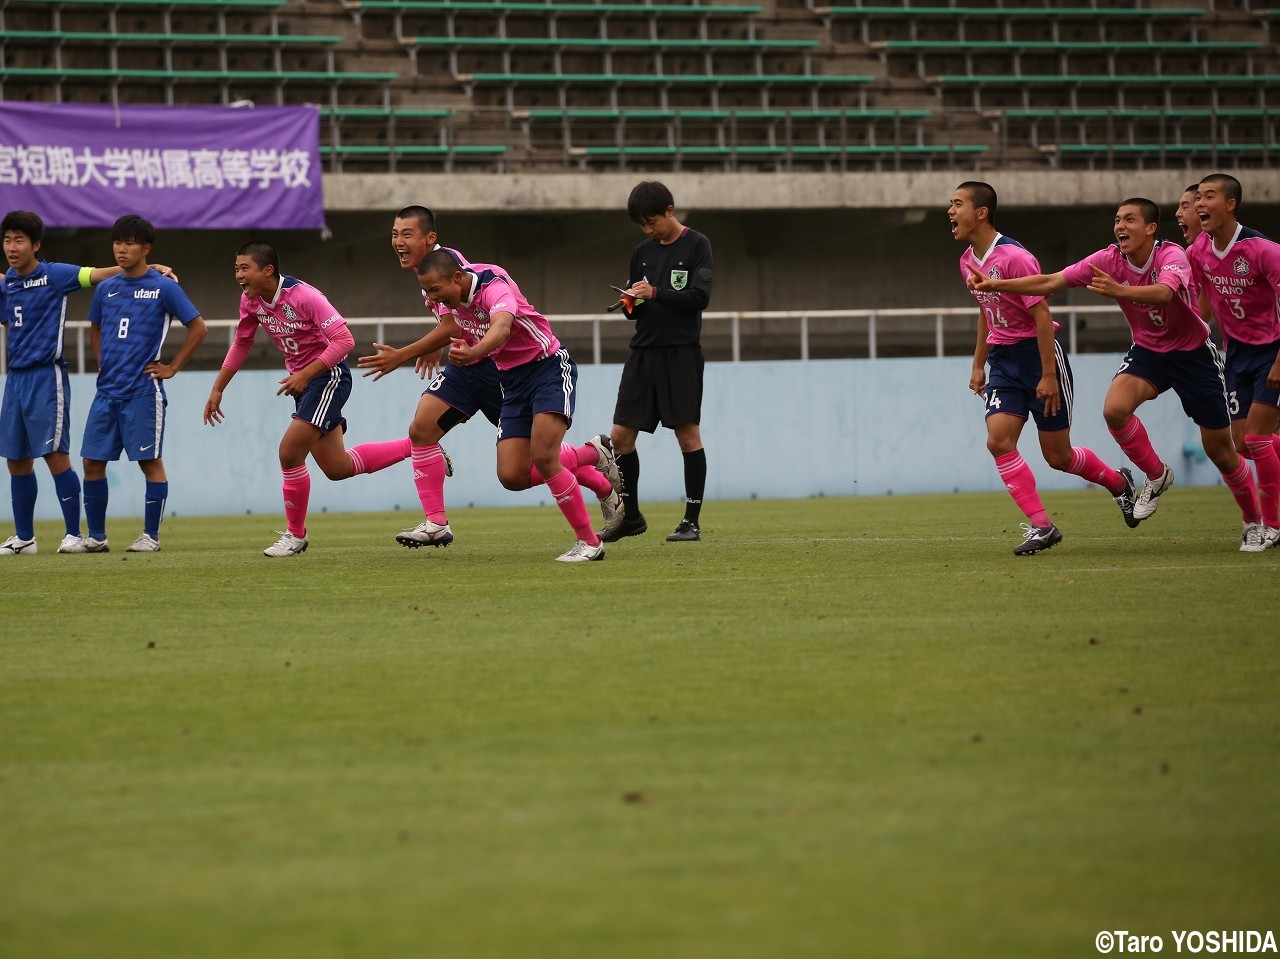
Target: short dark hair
24,221
133,227
426,219
649,198
1229,185
982,194
1150,212
261,252
1194,188
441,262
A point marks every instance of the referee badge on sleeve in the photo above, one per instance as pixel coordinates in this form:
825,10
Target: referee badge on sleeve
679,278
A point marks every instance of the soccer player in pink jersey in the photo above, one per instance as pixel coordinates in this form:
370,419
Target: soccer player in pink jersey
1030,374
1240,273
315,342
1150,280
455,394
486,315
1187,218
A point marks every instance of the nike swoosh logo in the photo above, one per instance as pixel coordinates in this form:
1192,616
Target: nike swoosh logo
143,449
49,441
110,295
67,499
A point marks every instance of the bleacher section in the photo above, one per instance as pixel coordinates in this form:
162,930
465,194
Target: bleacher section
545,85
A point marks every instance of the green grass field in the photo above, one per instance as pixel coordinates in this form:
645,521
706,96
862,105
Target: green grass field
835,728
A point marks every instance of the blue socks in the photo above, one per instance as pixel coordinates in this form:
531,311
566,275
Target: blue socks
67,485
95,507
23,491
157,493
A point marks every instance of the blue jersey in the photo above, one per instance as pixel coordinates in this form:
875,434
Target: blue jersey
133,316
35,310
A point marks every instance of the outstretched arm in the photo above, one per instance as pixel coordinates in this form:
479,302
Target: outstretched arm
1157,294
388,358
1040,284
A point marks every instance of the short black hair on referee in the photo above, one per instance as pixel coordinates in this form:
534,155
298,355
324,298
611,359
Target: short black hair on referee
1150,212
649,198
24,221
426,219
441,262
982,194
261,252
135,228
1229,185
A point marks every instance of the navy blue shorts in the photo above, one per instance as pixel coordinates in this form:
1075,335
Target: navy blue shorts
1195,375
543,386
134,425
321,402
35,417
1014,373
1246,376
470,389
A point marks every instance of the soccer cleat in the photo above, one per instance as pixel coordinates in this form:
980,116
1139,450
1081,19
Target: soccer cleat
614,514
71,543
13,546
1126,498
92,545
1037,538
1145,505
582,553
425,533
286,545
448,462
1270,537
628,526
607,460
686,532
145,544
1253,538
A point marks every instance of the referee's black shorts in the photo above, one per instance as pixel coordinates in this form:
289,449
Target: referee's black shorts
660,384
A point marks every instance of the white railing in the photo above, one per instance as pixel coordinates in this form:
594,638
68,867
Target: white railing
878,323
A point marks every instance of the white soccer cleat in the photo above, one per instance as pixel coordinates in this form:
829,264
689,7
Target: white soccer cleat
425,533
448,462
582,553
144,544
1253,538
607,460
92,545
286,545
1270,537
13,546
1149,499
71,543
613,512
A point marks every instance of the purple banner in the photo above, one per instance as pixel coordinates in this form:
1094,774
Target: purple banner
204,168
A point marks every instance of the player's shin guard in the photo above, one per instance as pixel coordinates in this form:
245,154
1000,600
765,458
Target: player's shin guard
1086,464
23,490
1021,484
428,478
67,485
153,508
564,487
95,507
1244,490
1133,439
371,457
297,497
1265,461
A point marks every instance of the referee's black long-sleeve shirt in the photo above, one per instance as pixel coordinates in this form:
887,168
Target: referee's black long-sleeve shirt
681,276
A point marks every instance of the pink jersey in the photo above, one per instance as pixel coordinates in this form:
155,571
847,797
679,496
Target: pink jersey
493,291
1008,315
301,321
1174,326
1241,284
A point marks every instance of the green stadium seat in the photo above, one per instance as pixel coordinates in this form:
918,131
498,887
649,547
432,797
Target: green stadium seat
393,154
1142,85
1162,155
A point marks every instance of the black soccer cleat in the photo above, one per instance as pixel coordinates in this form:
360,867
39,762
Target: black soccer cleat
1038,538
633,525
1126,498
686,532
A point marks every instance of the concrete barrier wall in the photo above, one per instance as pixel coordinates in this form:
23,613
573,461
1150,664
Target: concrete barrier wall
780,429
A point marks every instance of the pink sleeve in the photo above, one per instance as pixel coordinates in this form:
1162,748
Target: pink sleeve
246,330
1079,274
341,342
1174,273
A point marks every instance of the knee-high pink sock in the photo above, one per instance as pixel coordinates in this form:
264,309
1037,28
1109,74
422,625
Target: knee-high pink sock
1087,464
1245,491
586,475
564,487
1265,461
1137,446
1021,484
297,496
371,457
1275,443
428,477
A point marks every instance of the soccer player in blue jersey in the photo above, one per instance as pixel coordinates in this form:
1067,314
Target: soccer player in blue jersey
130,316
35,416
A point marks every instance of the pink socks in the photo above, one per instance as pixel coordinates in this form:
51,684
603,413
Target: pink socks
371,457
297,496
1263,453
1021,484
564,487
1137,446
1086,464
1242,488
428,477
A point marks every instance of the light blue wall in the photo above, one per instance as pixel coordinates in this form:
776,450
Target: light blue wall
784,429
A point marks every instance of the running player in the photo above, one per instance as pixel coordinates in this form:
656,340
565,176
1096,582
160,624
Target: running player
1030,374
485,314
454,395
670,286
315,341
1239,269
35,417
1150,280
129,319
